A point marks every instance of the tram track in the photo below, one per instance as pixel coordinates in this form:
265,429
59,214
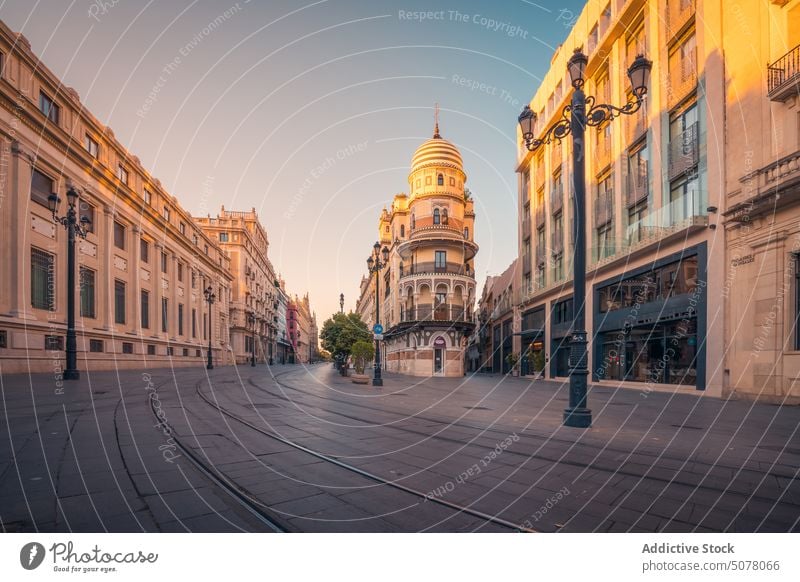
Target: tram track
460,509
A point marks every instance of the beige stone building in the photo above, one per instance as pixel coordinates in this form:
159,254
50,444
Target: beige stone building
654,199
254,308
427,289
497,321
143,266
145,262
761,48
301,323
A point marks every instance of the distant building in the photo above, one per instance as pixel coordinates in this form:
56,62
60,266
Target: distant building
427,289
254,304
497,323
302,328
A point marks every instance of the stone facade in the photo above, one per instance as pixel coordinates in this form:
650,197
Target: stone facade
427,288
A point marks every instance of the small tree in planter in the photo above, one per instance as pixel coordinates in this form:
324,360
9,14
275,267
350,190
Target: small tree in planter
512,359
361,352
536,363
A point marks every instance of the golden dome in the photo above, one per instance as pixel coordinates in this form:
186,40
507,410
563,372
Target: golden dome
436,152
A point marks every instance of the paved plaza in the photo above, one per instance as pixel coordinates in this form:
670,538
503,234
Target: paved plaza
195,450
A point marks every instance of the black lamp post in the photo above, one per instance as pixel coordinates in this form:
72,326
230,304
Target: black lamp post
341,302
209,295
251,319
582,111
376,262
75,227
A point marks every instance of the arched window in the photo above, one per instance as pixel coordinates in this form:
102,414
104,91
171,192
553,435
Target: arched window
413,222
440,180
436,216
402,230
444,216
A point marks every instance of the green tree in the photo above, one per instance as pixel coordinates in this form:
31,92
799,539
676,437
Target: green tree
341,331
362,352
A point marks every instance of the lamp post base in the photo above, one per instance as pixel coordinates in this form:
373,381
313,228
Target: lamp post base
377,381
71,375
209,366
578,417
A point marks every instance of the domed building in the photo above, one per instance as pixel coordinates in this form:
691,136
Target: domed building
427,289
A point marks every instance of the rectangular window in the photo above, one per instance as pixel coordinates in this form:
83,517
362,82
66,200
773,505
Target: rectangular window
119,235
223,237
148,197
92,146
194,322
166,213
185,352
95,345
127,348
151,350
180,318
182,228
119,301
145,307
122,174
87,210
144,251
180,272
440,260
170,350
164,314
49,108
41,187
43,280
54,343
163,262
87,292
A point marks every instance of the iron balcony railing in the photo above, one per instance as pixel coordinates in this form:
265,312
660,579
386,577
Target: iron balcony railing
678,14
432,267
783,76
637,183
430,312
603,209
684,152
423,223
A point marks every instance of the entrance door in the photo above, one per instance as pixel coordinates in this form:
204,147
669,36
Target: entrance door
437,361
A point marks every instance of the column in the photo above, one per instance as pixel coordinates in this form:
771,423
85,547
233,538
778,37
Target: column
134,297
19,222
106,274
158,291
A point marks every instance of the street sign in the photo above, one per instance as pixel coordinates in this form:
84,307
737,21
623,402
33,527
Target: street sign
377,328
378,337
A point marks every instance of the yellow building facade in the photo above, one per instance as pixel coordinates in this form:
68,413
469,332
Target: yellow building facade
427,288
691,203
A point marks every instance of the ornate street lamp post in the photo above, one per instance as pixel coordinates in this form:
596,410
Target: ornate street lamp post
341,302
376,262
582,111
251,319
209,295
75,227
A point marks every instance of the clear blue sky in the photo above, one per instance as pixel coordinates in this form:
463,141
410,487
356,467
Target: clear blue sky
308,111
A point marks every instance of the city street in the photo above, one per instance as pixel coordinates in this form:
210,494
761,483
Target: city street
295,448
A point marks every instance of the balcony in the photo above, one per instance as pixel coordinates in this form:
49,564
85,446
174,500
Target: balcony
637,184
783,76
682,72
432,268
602,150
678,14
539,215
684,152
603,209
635,125
428,224
556,155
556,197
429,312
685,212
765,187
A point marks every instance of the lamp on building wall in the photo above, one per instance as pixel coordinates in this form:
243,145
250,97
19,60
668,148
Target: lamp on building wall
375,263
210,297
582,111
76,227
